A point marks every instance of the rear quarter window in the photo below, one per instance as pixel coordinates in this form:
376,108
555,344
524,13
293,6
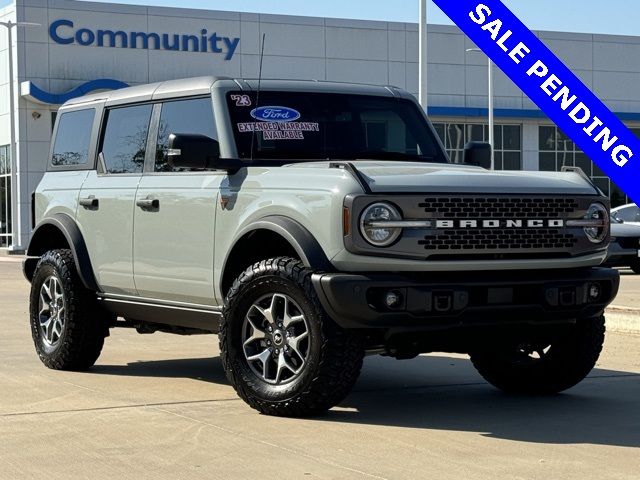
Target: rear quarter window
73,136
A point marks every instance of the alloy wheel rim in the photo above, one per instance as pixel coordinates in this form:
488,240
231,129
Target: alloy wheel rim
275,339
51,311
530,354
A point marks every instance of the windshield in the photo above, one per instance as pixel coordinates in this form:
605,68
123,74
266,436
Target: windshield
325,126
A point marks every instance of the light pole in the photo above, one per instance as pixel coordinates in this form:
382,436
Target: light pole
16,226
490,94
422,75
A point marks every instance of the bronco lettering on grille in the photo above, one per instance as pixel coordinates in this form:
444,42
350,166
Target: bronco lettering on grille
502,223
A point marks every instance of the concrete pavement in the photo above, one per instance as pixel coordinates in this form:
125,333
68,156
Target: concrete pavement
629,295
624,314
159,407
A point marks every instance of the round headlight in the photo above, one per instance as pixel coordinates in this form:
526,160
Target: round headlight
372,224
598,234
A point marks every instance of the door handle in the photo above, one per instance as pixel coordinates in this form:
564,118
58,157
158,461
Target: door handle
90,203
149,204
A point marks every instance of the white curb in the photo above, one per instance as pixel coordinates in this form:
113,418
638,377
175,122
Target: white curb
623,319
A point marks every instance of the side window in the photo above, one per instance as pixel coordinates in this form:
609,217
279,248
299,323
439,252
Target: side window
194,116
71,146
125,139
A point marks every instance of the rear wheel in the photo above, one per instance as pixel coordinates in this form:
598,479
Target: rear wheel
544,367
281,352
67,325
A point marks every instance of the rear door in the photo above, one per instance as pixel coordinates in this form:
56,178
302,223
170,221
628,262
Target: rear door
72,157
175,212
107,198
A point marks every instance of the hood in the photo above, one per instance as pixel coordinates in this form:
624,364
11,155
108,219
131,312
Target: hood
625,230
410,177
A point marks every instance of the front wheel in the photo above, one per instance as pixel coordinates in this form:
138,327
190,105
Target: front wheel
280,351
544,367
67,325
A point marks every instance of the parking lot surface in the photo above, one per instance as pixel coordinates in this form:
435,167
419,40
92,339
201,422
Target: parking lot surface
159,406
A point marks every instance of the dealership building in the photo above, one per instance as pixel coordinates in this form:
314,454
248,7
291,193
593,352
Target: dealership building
76,47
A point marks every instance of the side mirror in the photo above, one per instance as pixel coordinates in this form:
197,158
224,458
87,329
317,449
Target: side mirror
478,154
198,152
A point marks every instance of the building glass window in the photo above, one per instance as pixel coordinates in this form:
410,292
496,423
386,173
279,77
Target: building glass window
507,139
5,196
125,139
193,116
557,151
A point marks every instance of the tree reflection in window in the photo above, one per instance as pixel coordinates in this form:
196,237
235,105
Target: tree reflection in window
125,139
71,145
189,116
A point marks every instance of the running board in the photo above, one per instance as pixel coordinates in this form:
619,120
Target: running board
197,318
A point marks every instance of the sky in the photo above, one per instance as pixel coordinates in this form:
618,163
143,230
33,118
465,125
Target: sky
618,17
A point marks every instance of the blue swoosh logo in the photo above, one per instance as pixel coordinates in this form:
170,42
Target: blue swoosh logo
39,95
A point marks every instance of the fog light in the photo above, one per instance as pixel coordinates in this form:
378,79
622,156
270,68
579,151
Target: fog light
594,292
392,299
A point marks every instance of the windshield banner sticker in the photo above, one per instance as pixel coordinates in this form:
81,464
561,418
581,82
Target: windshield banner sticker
275,114
552,86
281,130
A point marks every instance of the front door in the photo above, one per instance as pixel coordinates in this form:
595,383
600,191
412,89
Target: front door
107,198
175,211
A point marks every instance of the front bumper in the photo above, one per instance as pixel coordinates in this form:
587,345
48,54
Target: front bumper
440,301
619,256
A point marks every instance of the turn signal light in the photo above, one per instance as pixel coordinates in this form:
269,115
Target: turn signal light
346,221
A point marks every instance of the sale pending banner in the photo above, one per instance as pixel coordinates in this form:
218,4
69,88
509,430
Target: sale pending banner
552,86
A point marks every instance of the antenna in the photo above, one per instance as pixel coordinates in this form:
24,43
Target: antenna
253,133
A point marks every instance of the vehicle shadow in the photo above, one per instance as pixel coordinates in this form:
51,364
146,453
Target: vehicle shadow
445,393
602,410
202,369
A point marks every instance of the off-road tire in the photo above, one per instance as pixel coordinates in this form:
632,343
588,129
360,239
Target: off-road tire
570,358
335,355
635,266
85,325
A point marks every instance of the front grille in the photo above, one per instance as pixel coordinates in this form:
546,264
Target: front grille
498,238
496,208
481,226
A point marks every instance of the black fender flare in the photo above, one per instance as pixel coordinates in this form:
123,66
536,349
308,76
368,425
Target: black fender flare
71,232
302,241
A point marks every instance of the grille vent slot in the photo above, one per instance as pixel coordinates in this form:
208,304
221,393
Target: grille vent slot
496,208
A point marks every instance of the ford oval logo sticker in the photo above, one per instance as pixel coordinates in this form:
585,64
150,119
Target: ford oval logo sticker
275,114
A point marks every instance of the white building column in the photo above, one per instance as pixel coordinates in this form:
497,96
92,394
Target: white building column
530,146
423,94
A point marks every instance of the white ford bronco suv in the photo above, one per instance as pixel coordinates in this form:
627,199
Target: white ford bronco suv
309,224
